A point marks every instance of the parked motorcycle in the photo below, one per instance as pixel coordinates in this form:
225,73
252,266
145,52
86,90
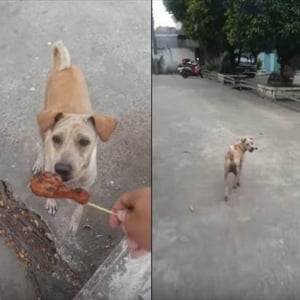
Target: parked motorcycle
189,68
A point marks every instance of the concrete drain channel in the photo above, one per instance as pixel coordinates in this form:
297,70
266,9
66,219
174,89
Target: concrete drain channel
30,238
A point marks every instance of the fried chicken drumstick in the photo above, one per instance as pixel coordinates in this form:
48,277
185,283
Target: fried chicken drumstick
50,185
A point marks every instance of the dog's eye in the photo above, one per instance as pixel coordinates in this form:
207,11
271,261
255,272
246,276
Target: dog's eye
56,139
84,142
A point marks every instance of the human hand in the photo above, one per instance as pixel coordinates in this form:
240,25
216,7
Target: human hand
134,216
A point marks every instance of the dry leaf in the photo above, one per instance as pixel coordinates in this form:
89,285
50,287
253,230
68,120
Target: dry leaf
49,236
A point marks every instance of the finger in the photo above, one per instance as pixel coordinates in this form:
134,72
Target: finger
121,214
132,244
124,229
114,221
138,253
127,201
123,202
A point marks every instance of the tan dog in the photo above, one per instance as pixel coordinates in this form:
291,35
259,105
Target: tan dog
69,129
234,163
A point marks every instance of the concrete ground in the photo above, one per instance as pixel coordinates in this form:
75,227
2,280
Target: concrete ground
111,44
206,249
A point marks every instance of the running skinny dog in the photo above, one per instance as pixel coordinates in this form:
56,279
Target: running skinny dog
234,163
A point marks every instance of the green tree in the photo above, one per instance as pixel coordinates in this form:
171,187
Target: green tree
285,27
202,21
245,25
265,25
178,8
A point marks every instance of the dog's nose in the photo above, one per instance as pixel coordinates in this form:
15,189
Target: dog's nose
64,170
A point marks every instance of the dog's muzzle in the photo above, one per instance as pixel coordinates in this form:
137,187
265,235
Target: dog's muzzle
252,149
64,170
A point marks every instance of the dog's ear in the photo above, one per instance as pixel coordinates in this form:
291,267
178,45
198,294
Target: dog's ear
47,119
104,125
243,140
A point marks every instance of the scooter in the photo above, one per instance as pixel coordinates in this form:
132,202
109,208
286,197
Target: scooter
189,68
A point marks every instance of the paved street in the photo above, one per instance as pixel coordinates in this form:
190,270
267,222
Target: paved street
110,41
203,248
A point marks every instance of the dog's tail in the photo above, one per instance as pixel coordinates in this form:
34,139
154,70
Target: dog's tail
61,56
231,173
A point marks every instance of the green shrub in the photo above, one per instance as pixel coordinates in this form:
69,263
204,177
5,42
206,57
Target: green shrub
211,67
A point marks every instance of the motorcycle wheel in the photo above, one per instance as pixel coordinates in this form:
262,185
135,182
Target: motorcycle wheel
184,75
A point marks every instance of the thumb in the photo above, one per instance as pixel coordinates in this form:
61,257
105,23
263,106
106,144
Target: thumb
121,214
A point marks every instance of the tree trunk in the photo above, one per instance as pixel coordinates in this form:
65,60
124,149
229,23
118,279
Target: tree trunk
239,55
254,54
227,62
287,71
204,57
232,61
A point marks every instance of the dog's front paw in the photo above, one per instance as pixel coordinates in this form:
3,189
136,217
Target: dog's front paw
51,206
73,228
38,167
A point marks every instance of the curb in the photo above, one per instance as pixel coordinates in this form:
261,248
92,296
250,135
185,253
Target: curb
119,277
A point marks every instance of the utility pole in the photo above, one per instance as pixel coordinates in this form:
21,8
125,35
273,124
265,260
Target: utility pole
154,45
154,66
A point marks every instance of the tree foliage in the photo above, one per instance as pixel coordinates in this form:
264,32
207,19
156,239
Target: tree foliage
201,20
248,25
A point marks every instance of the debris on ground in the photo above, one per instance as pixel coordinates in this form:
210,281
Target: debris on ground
26,233
192,208
112,185
108,242
87,226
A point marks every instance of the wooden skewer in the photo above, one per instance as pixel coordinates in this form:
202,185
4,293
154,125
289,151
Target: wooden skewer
101,208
